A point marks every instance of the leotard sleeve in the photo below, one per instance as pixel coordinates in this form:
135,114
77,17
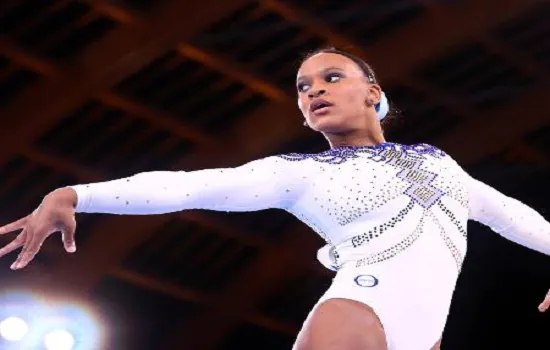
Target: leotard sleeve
261,184
507,216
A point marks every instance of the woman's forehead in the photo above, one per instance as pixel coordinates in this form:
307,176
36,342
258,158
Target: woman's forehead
322,61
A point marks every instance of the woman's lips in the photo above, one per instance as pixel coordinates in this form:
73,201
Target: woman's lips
320,107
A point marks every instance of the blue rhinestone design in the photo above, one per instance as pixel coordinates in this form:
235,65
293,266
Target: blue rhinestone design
407,157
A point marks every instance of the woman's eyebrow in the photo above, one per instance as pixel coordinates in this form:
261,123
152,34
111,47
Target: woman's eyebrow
322,71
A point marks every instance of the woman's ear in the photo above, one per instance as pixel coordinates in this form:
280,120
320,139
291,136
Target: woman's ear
374,94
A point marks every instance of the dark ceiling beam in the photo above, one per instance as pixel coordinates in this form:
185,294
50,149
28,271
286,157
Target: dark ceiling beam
135,109
395,56
226,66
282,102
235,71
116,10
126,49
24,59
157,118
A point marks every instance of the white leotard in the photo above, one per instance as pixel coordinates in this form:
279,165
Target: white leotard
393,216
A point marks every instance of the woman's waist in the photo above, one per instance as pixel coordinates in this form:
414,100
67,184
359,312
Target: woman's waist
374,247
366,236
356,247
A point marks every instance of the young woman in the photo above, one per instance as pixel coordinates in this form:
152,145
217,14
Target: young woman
393,216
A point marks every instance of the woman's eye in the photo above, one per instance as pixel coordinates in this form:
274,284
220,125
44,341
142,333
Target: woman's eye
333,77
303,87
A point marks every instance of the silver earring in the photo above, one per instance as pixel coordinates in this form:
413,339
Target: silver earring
305,123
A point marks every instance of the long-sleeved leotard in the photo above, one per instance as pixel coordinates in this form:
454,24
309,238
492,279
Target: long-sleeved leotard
393,216
261,184
507,216
353,194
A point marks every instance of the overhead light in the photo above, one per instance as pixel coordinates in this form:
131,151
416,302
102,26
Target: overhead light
59,340
13,329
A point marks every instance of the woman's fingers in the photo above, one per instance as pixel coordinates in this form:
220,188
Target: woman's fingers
545,303
34,240
16,225
13,245
36,229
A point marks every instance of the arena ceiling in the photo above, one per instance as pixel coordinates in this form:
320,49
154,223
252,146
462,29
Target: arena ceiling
99,89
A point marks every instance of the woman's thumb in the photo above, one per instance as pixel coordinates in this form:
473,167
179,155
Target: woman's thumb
68,234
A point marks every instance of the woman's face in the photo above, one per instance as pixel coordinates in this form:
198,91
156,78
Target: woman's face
334,94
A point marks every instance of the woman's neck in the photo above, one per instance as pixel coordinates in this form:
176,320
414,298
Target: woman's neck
355,140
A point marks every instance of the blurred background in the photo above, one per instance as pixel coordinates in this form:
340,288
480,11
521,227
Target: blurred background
99,89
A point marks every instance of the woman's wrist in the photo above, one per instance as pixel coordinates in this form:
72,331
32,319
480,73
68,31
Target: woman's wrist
63,196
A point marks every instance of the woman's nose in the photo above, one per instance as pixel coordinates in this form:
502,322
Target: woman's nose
316,93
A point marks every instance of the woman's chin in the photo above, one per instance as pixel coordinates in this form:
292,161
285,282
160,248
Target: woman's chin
327,125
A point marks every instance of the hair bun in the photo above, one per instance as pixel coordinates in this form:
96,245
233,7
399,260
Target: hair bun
383,107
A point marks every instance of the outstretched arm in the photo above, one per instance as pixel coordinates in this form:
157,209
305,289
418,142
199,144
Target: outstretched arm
511,219
261,184
508,217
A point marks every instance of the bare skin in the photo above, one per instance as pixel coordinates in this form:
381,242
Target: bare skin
350,120
342,324
333,313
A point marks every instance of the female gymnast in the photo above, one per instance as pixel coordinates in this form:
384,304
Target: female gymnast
393,216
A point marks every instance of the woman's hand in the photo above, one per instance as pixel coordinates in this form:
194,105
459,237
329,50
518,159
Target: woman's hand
55,213
545,303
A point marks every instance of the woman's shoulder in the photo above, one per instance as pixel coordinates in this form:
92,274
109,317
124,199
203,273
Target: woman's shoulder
382,151
422,149
302,156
